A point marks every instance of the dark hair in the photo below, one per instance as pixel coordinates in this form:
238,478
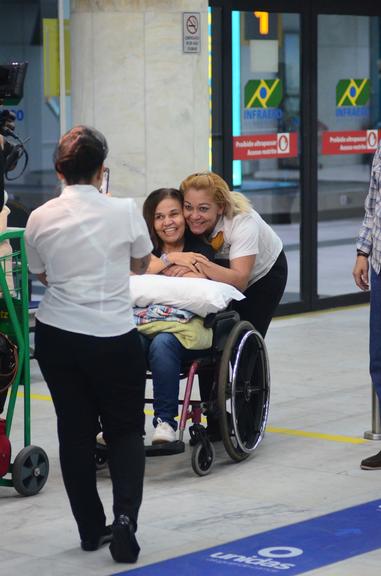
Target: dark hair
149,208
79,154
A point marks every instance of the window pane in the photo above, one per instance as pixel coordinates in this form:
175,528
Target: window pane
348,120
266,121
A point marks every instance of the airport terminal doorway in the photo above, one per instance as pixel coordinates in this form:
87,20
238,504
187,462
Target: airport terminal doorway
295,123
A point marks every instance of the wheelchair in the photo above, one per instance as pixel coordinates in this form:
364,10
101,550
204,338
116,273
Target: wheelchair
239,397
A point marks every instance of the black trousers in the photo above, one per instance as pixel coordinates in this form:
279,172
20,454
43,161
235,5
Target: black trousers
91,378
263,297
258,307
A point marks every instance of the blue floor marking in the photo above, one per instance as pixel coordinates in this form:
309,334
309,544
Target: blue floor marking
292,549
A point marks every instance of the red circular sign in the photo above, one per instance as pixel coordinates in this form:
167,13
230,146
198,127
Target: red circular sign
372,140
283,143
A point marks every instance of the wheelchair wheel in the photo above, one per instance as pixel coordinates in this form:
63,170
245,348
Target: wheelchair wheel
203,458
243,391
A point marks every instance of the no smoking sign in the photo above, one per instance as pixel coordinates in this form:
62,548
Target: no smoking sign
192,32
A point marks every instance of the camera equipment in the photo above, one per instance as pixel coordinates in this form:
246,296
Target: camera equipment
7,122
12,78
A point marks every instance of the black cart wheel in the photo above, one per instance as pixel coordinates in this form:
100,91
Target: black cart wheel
243,391
30,470
203,457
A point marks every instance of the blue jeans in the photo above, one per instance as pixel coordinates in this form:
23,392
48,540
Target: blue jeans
165,356
375,333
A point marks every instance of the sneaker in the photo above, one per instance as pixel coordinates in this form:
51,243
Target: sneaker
163,433
92,544
124,547
372,463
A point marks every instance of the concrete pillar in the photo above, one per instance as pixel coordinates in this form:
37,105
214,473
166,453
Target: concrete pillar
132,81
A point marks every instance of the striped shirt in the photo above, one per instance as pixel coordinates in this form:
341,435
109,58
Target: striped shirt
369,240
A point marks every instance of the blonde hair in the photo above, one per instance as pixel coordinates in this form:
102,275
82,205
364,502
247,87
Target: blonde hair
233,203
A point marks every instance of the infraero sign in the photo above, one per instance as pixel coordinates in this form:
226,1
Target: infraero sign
262,99
352,97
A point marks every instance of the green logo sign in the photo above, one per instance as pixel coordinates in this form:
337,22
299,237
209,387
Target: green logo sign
352,92
263,93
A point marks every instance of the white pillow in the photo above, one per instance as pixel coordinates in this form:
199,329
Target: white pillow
198,295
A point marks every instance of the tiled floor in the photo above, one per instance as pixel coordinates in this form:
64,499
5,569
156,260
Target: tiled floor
320,388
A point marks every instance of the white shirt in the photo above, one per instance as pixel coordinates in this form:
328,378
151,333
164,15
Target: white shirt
247,234
83,240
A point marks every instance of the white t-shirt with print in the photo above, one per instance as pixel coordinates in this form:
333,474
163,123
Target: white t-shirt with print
83,241
247,234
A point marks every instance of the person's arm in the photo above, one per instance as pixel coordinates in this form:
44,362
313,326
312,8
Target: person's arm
361,272
42,278
140,265
35,263
172,261
156,265
364,242
182,271
141,248
237,274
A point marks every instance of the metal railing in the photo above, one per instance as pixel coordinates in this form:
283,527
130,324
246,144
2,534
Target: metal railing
375,433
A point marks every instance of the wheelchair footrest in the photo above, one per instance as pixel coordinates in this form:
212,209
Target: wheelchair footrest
165,449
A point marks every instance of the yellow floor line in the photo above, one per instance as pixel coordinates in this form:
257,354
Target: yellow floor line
271,429
318,435
45,397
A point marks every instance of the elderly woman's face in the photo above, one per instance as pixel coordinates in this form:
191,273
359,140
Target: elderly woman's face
168,221
201,211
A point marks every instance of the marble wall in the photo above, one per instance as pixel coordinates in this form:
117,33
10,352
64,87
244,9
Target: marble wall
132,81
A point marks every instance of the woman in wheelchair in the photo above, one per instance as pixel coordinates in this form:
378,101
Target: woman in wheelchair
175,251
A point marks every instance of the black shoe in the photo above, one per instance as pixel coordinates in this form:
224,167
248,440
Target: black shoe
124,546
92,544
372,463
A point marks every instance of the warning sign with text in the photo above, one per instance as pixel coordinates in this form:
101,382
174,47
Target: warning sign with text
350,142
192,32
258,146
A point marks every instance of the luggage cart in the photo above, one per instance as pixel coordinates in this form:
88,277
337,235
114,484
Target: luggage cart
29,470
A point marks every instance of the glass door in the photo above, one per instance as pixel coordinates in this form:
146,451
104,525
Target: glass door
348,134
266,124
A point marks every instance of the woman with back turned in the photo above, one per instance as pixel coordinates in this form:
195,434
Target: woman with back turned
82,246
